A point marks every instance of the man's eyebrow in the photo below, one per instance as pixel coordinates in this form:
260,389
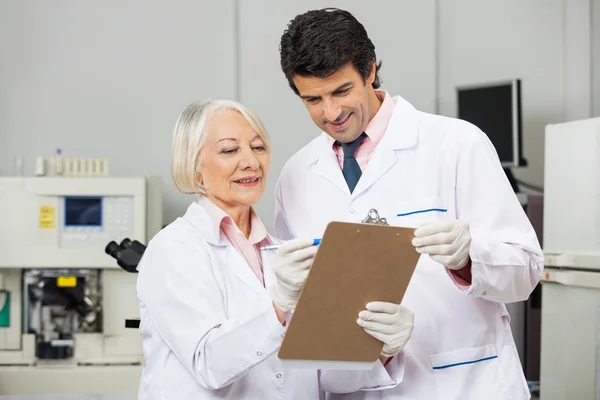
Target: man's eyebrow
340,88
345,86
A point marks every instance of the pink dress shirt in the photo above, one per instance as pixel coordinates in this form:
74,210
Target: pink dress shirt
249,248
375,131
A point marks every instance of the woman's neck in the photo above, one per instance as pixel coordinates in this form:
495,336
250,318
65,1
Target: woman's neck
241,217
239,214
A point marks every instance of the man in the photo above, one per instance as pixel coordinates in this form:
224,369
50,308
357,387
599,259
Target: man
439,175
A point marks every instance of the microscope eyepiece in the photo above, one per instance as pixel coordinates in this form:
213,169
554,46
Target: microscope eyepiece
134,245
127,254
112,248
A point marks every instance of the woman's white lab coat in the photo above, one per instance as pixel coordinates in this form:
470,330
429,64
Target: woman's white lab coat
208,326
431,167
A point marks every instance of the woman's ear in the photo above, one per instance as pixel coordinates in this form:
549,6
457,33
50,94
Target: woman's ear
198,169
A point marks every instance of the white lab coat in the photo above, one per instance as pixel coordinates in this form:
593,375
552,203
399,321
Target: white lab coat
208,326
430,167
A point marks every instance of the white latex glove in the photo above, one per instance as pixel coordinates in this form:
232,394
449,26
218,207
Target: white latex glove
447,242
291,264
389,323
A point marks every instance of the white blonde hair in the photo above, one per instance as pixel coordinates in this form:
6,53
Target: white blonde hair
189,136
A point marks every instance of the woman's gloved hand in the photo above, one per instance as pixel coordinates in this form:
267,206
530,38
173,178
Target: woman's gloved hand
291,264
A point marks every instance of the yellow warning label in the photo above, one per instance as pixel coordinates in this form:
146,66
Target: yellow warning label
46,216
66,281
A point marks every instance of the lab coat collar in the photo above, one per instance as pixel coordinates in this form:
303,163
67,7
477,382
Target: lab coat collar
403,126
401,133
199,218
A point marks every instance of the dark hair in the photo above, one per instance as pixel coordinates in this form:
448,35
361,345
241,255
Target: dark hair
320,42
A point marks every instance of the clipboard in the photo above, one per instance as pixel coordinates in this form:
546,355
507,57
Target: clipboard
356,263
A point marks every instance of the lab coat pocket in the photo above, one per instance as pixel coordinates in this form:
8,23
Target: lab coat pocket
413,213
472,373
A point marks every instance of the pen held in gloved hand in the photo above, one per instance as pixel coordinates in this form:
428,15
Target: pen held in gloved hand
316,242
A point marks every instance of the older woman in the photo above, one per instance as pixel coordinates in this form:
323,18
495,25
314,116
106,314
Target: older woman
212,319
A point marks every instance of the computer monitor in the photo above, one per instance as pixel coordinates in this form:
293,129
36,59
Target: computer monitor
495,108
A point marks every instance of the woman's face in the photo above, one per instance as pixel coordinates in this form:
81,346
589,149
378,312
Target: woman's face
235,161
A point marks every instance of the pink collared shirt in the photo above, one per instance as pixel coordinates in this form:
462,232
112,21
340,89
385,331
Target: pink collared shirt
375,131
248,248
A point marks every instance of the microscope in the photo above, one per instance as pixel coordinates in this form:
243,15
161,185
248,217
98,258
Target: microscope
128,255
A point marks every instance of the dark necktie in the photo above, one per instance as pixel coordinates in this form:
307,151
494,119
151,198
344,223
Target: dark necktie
350,168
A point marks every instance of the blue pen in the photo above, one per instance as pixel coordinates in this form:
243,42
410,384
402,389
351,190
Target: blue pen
316,242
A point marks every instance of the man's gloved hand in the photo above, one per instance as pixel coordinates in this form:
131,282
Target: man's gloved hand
389,323
291,264
447,242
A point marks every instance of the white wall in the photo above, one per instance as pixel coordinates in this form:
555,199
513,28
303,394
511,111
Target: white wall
578,59
482,41
108,79
596,58
404,36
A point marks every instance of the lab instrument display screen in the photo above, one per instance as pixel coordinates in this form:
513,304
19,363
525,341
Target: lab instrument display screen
83,211
495,109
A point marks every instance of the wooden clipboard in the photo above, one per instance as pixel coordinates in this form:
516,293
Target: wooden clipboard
356,263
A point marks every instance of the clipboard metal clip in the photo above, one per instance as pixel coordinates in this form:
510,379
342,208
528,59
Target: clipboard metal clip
373,218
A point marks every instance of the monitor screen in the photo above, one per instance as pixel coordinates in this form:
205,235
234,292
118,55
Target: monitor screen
495,109
83,211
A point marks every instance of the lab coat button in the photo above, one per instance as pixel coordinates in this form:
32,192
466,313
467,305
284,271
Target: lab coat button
278,376
259,353
484,293
352,211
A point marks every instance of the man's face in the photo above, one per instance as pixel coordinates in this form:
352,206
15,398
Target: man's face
342,104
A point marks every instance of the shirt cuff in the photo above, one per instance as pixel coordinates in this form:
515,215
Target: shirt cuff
462,277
